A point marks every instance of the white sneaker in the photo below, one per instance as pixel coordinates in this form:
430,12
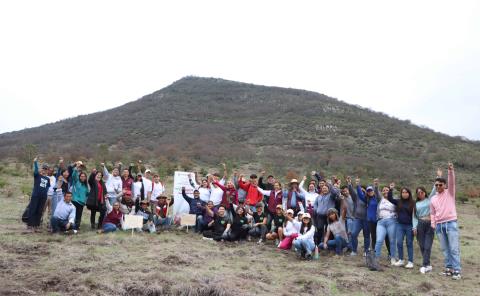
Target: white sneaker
428,268
392,261
423,270
353,254
399,263
409,265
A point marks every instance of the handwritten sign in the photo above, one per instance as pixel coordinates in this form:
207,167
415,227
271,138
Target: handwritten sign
180,179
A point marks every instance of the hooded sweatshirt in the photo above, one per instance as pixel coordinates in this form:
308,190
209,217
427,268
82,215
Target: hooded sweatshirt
442,206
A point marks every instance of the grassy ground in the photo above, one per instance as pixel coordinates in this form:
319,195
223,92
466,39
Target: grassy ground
177,263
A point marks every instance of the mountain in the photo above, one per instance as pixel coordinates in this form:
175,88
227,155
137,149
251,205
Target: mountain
206,120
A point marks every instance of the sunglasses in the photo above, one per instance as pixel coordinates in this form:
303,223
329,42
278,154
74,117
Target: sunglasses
439,185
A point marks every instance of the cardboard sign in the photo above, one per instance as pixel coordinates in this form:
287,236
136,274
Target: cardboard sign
188,219
133,221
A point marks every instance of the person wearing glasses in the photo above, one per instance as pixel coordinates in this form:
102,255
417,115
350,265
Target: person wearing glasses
443,218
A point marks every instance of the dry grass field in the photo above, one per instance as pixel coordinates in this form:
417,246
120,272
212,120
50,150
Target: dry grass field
180,263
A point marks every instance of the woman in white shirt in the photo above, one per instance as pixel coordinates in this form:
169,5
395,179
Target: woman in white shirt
304,244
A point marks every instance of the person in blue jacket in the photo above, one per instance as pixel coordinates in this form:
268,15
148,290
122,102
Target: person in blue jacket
197,207
371,197
41,183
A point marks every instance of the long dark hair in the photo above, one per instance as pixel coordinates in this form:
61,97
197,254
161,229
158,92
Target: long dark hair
416,193
86,179
309,225
410,202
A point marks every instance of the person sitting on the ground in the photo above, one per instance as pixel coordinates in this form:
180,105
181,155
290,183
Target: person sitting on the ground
196,207
221,226
276,232
259,226
163,214
291,231
144,211
240,226
63,218
113,220
336,227
304,243
208,214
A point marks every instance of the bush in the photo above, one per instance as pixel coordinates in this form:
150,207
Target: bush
2,183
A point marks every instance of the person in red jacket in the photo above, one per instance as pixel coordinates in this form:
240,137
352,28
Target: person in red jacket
230,194
253,195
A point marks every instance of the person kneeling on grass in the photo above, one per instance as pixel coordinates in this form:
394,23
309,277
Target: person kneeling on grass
63,218
144,211
240,225
259,226
162,217
291,231
336,227
114,217
276,232
221,226
197,207
304,243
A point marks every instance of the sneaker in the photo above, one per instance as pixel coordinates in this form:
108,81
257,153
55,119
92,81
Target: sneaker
399,263
277,242
456,275
446,272
409,265
308,256
423,270
207,238
428,268
353,254
364,254
260,242
392,262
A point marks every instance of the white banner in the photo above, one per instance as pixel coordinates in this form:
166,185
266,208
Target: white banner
180,179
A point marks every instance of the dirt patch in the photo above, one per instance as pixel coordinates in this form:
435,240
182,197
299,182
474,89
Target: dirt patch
425,287
31,250
175,260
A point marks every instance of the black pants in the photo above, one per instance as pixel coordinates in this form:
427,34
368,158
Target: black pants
215,235
240,234
35,210
259,231
78,214
425,236
100,219
321,224
373,234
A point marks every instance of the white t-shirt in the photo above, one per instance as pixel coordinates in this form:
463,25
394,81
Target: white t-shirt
204,194
147,184
136,191
158,189
216,194
53,183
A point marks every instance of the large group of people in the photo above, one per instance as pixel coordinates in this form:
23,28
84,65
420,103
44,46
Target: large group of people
323,215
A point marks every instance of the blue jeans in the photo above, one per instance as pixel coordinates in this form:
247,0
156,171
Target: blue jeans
402,231
162,221
109,227
360,225
336,244
59,224
112,199
304,245
386,227
447,234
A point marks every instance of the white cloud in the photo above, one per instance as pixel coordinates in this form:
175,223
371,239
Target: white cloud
415,60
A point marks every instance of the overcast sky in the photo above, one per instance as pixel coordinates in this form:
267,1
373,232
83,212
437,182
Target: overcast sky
417,60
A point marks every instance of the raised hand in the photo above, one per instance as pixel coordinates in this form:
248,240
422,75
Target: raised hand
262,173
439,172
35,159
375,182
313,173
357,181
348,179
450,166
304,178
392,185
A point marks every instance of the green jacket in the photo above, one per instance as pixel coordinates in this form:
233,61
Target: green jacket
79,190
